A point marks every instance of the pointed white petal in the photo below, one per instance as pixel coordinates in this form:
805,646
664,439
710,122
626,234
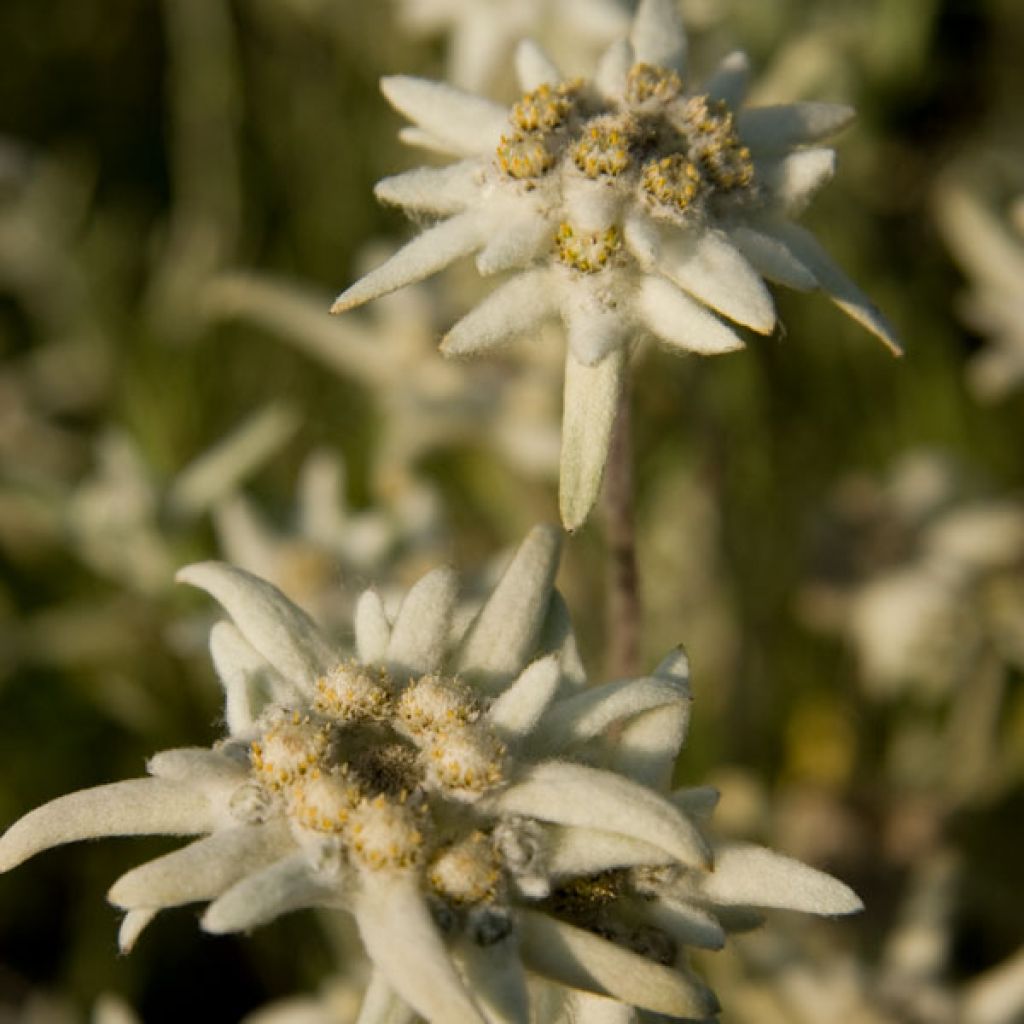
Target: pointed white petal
430,251
843,292
287,885
582,960
710,268
503,637
678,320
576,794
657,35
468,123
753,876
642,238
588,415
772,259
401,939
687,924
441,191
575,851
134,924
558,636
495,976
514,308
594,329
421,629
778,129
647,746
612,69
795,179
420,139
249,681
579,718
730,79
381,1005
516,243
278,629
373,631
534,67
203,869
198,766
518,710
697,802
135,807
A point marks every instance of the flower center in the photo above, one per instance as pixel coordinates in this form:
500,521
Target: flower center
586,252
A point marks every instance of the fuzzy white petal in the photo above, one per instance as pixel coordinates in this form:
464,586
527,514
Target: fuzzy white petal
286,885
430,251
534,67
559,636
134,924
795,179
689,925
437,190
502,637
710,268
574,851
381,1005
495,976
730,79
515,243
772,259
647,746
199,766
777,129
657,35
581,717
518,710
678,320
420,633
575,794
249,681
401,939
278,629
753,876
834,281
594,330
642,238
514,308
135,807
203,869
468,123
417,137
612,69
582,960
373,631
588,415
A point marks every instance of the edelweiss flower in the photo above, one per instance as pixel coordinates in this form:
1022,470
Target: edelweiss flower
629,205
478,809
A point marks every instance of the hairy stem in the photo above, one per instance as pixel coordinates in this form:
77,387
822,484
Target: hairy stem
623,604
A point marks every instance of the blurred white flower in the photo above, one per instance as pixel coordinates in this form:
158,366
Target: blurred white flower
628,205
327,542
425,403
479,810
483,33
990,249
925,577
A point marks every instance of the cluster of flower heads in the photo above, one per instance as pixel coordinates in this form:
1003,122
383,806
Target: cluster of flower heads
629,204
485,816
